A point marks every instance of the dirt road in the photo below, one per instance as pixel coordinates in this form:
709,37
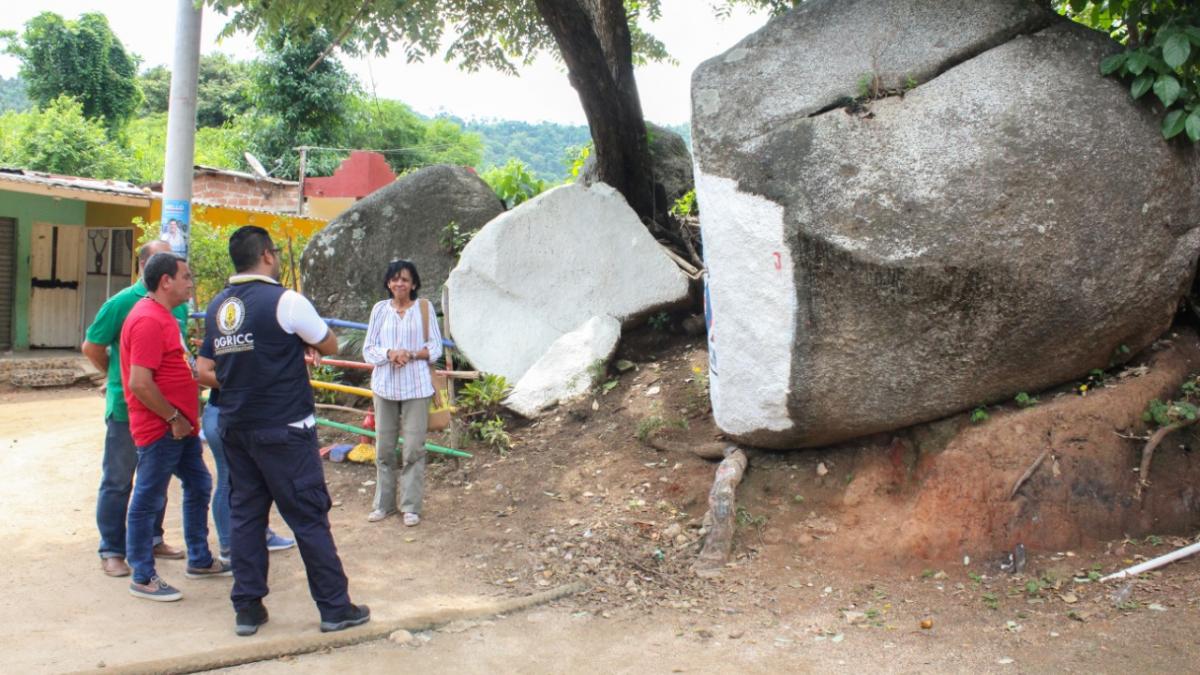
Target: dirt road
492,530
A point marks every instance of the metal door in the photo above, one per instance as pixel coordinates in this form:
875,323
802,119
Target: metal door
56,265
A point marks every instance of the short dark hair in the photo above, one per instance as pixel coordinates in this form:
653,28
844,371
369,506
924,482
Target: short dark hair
396,267
158,266
246,246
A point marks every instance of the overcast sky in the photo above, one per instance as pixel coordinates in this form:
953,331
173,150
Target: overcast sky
689,29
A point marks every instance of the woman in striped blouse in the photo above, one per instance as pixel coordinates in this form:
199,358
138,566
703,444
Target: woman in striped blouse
401,348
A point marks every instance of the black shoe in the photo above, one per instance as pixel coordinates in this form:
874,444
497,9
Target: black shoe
249,619
355,615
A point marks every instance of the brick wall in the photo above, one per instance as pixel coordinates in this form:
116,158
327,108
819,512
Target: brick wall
244,192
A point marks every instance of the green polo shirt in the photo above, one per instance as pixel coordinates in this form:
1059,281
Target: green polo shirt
106,330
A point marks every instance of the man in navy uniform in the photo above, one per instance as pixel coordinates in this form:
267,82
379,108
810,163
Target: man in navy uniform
256,334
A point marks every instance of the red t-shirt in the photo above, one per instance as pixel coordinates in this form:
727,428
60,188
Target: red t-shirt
150,338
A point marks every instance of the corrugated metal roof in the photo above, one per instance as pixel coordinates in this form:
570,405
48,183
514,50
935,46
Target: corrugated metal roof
118,187
200,168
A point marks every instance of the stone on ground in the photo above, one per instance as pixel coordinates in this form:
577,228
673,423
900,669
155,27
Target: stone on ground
343,264
567,369
540,270
1003,219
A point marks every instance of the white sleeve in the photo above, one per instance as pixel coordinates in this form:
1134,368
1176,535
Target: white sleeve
296,315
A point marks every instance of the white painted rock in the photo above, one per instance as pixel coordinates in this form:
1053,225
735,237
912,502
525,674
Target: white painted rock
539,271
564,371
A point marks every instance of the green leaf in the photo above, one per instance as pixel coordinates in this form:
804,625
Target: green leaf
1078,6
1110,65
1138,61
1193,34
1173,124
1141,85
1176,50
1167,89
1193,126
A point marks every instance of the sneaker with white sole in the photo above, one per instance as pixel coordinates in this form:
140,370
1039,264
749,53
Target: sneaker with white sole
217,569
278,543
411,520
156,589
378,515
223,555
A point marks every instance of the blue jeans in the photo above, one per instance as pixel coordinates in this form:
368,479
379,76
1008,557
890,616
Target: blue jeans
211,424
116,483
210,421
156,463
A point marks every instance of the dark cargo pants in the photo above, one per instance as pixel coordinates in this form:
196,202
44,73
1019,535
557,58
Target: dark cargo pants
281,465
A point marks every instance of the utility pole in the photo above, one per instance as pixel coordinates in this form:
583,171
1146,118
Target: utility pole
181,129
303,165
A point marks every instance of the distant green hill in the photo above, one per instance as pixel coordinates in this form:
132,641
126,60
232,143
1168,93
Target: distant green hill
546,148
12,95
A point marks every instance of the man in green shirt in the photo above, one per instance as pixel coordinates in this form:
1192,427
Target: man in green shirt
101,346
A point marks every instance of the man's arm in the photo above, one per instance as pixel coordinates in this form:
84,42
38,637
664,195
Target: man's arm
97,354
141,384
206,372
297,315
328,345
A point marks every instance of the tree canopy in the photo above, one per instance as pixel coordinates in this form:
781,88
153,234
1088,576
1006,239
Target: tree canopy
223,89
82,59
1162,53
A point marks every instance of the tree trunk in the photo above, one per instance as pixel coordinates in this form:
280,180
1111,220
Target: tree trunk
593,38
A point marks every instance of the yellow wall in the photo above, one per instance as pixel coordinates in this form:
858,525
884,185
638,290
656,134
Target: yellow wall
225,216
112,215
328,207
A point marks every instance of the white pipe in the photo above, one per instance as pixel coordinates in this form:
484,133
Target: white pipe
1155,563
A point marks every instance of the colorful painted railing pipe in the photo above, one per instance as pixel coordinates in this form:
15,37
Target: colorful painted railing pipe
344,388
340,363
367,432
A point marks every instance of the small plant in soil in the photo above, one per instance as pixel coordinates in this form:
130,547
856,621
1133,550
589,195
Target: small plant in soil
747,519
1024,400
648,426
479,402
990,600
493,434
979,415
601,382
660,322
698,397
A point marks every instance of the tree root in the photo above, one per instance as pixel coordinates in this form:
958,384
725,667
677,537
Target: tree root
722,514
1139,491
1028,472
264,651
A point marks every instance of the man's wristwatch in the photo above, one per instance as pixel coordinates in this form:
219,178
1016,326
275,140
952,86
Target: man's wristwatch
172,418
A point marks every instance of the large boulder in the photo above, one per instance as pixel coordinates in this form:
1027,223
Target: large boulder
670,160
1010,222
540,270
343,264
567,369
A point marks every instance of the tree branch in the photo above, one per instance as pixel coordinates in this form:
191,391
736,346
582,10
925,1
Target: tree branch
341,36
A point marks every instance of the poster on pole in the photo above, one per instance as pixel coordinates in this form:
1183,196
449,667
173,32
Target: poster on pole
176,225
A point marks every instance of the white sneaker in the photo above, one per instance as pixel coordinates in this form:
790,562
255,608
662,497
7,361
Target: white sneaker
411,520
378,515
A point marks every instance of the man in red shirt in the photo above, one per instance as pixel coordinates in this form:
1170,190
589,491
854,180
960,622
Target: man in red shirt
164,411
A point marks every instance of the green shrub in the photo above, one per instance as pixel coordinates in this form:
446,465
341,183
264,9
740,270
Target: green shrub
513,183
